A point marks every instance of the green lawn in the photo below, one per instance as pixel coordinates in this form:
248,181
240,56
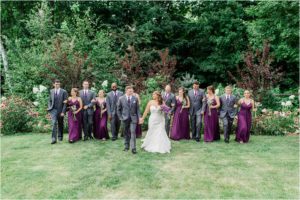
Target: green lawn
267,167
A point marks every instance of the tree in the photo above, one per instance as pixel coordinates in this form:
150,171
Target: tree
257,73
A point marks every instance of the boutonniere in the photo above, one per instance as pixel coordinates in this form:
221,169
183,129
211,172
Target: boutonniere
133,101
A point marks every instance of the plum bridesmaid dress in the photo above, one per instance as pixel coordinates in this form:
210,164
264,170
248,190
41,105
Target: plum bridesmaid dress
211,124
181,126
138,131
100,123
244,123
74,123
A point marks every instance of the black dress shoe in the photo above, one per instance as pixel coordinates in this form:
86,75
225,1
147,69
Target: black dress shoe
126,149
113,139
197,140
53,142
85,138
60,139
71,141
91,137
133,151
226,141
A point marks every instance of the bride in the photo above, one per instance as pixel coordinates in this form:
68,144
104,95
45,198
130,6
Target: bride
156,139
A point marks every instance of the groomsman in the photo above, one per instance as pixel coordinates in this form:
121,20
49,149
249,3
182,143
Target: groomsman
111,100
128,111
57,110
196,96
228,111
170,100
88,100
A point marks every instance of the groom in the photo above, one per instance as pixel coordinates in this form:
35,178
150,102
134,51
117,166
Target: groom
129,113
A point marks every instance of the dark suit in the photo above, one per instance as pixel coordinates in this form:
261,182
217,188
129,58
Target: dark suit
56,106
87,115
170,101
129,114
115,122
196,107
227,113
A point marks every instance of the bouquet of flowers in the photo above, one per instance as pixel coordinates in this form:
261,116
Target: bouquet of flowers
209,104
164,108
73,108
101,109
183,104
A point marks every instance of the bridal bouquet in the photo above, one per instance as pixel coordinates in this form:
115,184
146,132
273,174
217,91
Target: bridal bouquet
73,108
164,108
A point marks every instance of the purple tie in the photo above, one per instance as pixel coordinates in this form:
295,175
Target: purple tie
128,100
56,92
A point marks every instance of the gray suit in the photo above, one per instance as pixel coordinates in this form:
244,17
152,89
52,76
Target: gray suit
111,101
169,101
227,113
196,107
56,106
87,115
129,114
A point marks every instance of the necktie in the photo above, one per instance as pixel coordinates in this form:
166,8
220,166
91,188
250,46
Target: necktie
195,93
129,100
227,99
85,93
55,92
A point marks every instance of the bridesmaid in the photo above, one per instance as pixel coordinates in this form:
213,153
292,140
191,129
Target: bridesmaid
181,127
242,134
138,131
100,117
74,115
211,118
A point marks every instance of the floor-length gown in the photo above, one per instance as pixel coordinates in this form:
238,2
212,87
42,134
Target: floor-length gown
100,122
156,139
180,127
211,123
138,131
244,123
74,122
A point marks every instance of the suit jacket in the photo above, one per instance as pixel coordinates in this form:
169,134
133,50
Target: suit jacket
228,107
126,111
111,105
169,101
60,105
87,100
196,102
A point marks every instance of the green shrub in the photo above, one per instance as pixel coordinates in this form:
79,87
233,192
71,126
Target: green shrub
16,115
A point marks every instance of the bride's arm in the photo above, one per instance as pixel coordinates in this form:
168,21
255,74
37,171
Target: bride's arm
146,110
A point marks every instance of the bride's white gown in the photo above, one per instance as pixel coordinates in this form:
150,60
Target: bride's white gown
156,139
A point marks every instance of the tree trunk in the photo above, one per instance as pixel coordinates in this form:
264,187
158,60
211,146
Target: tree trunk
5,65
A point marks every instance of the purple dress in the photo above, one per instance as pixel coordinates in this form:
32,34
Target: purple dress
138,131
181,126
211,124
100,123
244,123
74,123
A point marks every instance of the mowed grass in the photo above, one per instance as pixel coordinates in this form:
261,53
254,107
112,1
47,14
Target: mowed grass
267,167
